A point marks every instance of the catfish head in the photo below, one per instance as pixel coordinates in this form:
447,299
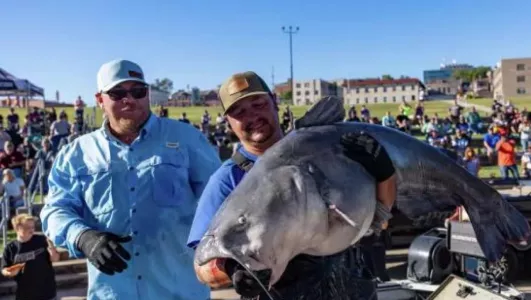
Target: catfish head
274,214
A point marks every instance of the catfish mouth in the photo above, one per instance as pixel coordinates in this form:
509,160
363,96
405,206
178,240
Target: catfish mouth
210,248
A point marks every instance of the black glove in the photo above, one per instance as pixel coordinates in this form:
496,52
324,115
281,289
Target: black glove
104,251
243,282
364,149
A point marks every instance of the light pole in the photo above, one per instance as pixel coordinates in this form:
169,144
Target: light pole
291,30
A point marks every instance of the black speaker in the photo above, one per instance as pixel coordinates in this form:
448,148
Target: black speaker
428,259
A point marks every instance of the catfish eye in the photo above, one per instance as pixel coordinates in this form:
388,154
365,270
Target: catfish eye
242,220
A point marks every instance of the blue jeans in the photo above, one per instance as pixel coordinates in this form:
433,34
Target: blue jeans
504,171
524,143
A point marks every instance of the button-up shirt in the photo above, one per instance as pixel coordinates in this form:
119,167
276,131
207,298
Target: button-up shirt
148,190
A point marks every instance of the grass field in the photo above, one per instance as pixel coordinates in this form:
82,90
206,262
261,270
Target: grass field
520,102
195,113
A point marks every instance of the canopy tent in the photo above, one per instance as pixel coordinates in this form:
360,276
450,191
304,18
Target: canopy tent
11,85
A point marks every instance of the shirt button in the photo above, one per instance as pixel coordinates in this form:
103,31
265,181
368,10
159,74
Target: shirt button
137,254
130,149
132,188
135,232
134,210
131,168
139,277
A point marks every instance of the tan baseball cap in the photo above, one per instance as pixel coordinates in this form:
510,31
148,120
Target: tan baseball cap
239,86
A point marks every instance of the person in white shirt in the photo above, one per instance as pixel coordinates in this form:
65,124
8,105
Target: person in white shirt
526,163
13,188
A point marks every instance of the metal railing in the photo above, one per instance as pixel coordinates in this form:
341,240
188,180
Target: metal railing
4,204
37,178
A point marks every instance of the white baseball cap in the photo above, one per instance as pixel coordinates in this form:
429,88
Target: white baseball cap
117,71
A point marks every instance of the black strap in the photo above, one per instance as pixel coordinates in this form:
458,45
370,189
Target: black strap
242,162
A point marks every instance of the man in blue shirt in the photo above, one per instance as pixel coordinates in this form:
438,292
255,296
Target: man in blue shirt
124,196
252,113
489,142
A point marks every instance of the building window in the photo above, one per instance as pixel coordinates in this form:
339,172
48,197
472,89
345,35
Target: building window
306,93
306,84
298,85
308,101
375,99
520,67
394,99
376,89
316,92
366,90
403,98
357,91
298,93
357,100
520,78
412,87
403,88
385,89
520,91
394,88
385,99
413,97
366,100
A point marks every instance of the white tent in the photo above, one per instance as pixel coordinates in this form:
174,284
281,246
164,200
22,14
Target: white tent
11,85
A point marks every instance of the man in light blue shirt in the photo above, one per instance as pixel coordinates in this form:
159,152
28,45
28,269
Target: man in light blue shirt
124,196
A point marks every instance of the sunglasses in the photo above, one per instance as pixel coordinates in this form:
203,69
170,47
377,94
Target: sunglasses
137,92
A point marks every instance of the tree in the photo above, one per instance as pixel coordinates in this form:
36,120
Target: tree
387,77
286,96
165,85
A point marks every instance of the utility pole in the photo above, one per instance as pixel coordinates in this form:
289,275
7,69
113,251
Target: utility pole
273,77
291,30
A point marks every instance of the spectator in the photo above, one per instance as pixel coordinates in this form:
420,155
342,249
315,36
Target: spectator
463,125
524,129
526,163
419,113
220,120
455,112
405,109
352,112
163,112
471,161
388,120
402,122
12,120
506,157
13,188
28,260
184,119
460,142
4,137
365,113
489,142
435,140
474,120
205,123
12,159
58,130
287,119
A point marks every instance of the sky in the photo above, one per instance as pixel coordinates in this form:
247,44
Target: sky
60,44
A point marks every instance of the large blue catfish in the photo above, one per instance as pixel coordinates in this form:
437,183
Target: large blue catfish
282,206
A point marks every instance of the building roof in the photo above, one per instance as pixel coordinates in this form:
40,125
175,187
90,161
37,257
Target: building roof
379,82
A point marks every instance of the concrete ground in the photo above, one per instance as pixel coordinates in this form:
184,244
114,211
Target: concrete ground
396,265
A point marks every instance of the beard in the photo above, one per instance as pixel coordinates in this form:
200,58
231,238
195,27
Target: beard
259,131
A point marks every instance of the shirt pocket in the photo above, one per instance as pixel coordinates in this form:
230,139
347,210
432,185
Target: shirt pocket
170,178
96,186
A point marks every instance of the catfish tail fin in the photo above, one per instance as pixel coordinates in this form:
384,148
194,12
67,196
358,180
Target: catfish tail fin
328,110
509,226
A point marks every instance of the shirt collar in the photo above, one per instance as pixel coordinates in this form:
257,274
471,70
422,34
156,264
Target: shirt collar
245,153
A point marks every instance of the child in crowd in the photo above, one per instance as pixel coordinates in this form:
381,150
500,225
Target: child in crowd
28,260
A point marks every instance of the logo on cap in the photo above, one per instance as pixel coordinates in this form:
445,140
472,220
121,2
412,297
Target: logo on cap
237,85
136,75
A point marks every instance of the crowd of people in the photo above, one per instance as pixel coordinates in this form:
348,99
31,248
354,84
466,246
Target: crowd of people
24,144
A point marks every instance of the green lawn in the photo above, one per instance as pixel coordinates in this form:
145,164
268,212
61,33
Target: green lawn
195,113
519,102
